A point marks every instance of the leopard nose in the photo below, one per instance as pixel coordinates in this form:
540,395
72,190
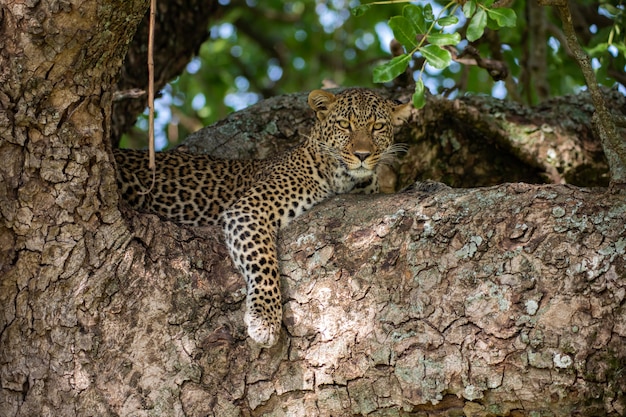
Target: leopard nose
362,155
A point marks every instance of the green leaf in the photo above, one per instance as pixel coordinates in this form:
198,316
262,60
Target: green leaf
469,8
415,15
403,31
428,13
611,9
503,16
435,56
476,27
419,98
360,10
493,25
443,39
390,70
447,21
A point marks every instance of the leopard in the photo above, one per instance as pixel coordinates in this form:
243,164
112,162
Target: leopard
253,199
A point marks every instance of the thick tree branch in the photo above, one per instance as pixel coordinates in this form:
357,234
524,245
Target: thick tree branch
507,300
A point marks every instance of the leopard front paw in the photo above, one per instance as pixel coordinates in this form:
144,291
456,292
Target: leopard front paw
262,330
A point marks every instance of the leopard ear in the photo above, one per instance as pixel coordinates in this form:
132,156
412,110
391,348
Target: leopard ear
320,101
401,113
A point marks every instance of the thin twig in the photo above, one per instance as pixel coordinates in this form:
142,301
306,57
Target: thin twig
151,83
152,163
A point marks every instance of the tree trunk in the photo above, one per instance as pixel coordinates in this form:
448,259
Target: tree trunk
500,301
62,236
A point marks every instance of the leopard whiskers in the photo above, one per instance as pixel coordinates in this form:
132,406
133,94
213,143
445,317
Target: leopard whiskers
390,154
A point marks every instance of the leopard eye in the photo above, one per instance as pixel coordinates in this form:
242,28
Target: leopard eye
344,124
378,126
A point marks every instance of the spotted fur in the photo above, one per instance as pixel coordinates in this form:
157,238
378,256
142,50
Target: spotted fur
253,199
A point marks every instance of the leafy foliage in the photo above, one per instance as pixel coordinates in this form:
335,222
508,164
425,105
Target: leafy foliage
420,32
432,34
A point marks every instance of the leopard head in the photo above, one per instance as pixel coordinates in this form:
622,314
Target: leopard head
357,126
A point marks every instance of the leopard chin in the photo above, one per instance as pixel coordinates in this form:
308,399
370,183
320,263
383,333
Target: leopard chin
361,173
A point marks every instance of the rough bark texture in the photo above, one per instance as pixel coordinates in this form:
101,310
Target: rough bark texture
62,236
500,301
262,130
478,141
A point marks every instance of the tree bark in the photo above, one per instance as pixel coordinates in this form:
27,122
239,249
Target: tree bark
62,236
500,301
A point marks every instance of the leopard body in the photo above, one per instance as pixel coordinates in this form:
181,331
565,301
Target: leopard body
253,199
